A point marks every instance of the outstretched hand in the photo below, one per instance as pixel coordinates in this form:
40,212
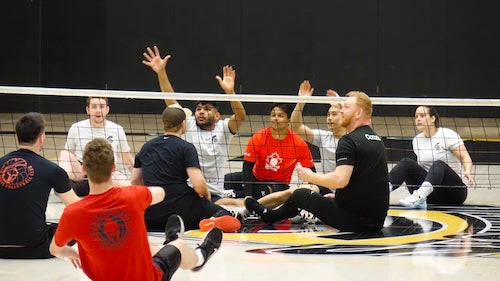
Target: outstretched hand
227,80
331,93
305,89
153,59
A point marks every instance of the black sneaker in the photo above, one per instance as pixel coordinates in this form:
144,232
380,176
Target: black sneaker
210,245
173,229
253,205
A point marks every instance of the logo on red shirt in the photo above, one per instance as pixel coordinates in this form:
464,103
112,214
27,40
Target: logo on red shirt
111,229
273,161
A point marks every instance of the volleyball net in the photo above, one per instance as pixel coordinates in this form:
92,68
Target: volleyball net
477,121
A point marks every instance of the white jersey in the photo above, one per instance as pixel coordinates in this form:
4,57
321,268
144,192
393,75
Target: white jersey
81,133
212,147
438,147
327,144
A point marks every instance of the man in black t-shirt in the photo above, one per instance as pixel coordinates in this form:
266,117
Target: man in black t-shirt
26,179
169,161
360,177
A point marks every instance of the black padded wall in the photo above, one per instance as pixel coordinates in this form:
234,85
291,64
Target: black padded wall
343,46
20,44
473,54
411,48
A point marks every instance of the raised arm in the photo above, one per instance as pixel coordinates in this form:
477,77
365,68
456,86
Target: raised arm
227,85
461,153
296,120
152,58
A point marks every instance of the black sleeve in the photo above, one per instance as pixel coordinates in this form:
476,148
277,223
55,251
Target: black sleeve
248,177
247,171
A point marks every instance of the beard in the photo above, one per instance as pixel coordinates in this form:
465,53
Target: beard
207,124
346,120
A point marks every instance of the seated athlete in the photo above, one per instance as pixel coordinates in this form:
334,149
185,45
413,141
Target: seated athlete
109,228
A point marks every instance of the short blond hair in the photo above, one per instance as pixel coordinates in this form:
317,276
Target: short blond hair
363,101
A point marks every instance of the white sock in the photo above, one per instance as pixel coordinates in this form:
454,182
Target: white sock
390,187
425,189
201,259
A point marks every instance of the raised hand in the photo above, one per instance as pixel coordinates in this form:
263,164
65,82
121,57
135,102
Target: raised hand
153,59
331,93
227,80
305,89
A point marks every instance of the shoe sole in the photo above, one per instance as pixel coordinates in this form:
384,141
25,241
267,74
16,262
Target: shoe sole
224,223
170,238
421,206
215,240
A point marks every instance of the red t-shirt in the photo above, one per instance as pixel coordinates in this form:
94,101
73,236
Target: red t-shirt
275,160
111,234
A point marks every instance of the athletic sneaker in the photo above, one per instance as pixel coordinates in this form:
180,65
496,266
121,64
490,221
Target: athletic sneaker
173,229
225,223
228,193
253,205
240,213
305,217
210,245
414,201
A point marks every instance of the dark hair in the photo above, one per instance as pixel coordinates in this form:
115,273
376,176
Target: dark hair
286,107
29,127
205,102
98,160
433,112
104,98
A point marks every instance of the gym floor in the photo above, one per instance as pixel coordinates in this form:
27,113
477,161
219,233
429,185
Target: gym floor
441,243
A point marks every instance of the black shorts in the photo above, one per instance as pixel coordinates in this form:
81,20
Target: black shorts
81,188
41,251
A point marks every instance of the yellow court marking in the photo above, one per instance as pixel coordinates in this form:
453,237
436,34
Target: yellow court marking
450,225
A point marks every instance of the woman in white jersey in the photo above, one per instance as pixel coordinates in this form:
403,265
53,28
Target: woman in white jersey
443,168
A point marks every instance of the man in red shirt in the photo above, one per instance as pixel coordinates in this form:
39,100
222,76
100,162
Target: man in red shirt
109,227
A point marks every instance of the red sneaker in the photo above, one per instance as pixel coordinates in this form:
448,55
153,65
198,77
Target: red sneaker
224,223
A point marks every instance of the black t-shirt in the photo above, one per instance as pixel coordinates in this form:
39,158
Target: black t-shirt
26,180
164,161
367,193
